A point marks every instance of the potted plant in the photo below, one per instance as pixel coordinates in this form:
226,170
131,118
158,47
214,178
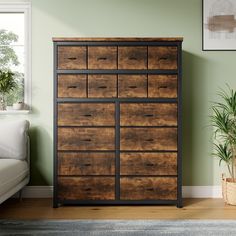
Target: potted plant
223,119
7,84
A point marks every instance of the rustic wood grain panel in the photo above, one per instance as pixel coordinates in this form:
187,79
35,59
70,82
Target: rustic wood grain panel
86,188
72,86
148,139
148,188
72,57
160,57
86,114
148,163
119,39
102,86
86,138
75,163
132,57
132,86
162,86
100,57
148,114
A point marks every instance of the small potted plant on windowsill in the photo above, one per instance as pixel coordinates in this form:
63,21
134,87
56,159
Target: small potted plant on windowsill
18,106
7,84
223,119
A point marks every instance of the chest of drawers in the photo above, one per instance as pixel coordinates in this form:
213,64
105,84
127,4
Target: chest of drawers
117,121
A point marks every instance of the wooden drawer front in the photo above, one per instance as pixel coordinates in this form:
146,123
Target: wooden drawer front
72,57
102,57
73,163
148,139
86,188
148,164
102,86
132,57
162,86
148,114
72,86
86,114
86,139
162,58
132,86
148,188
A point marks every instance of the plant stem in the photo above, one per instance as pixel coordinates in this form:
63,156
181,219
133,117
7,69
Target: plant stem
228,166
233,161
2,102
232,169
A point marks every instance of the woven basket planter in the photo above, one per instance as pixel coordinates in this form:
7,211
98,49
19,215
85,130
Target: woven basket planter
229,190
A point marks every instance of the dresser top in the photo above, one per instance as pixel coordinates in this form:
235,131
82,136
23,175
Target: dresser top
119,39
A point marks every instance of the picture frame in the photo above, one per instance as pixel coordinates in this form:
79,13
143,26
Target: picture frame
218,25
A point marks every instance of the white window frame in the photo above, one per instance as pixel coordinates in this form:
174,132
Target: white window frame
23,7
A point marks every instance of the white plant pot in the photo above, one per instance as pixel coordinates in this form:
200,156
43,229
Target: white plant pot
9,108
17,106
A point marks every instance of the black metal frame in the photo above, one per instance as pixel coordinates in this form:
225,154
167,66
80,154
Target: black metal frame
117,101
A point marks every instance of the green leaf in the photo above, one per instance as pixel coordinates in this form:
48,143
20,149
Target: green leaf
7,81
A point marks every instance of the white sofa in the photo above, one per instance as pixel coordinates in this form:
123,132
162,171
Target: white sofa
14,157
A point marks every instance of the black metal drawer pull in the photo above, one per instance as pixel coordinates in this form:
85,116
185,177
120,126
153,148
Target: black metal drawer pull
72,58
87,115
149,164
101,58
133,58
163,58
132,86
87,140
87,164
163,87
102,87
150,189
87,189
150,140
72,87
148,115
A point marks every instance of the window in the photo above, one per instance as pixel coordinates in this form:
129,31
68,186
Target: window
15,50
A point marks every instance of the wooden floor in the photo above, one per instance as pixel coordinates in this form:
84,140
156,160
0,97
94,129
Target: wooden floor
42,209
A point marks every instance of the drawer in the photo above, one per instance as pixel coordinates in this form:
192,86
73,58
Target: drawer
148,188
132,58
148,114
72,86
162,86
86,188
102,57
86,114
102,86
74,163
86,139
148,139
72,57
132,86
148,163
162,58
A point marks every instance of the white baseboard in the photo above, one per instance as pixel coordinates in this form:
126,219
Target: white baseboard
37,192
202,192
188,192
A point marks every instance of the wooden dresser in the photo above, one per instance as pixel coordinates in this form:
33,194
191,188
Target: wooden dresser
117,121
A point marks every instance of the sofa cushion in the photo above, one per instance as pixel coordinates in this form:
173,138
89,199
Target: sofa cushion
12,172
13,139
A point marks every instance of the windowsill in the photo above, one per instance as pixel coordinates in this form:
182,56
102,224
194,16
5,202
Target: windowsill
14,112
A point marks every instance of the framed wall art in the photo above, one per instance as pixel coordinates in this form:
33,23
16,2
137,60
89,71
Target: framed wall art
219,25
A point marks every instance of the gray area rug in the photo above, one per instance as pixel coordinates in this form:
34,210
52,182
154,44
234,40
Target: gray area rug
118,227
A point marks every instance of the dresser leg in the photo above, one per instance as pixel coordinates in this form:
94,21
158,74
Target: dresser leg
55,203
179,204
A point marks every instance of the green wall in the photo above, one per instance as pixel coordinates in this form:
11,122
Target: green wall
203,72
